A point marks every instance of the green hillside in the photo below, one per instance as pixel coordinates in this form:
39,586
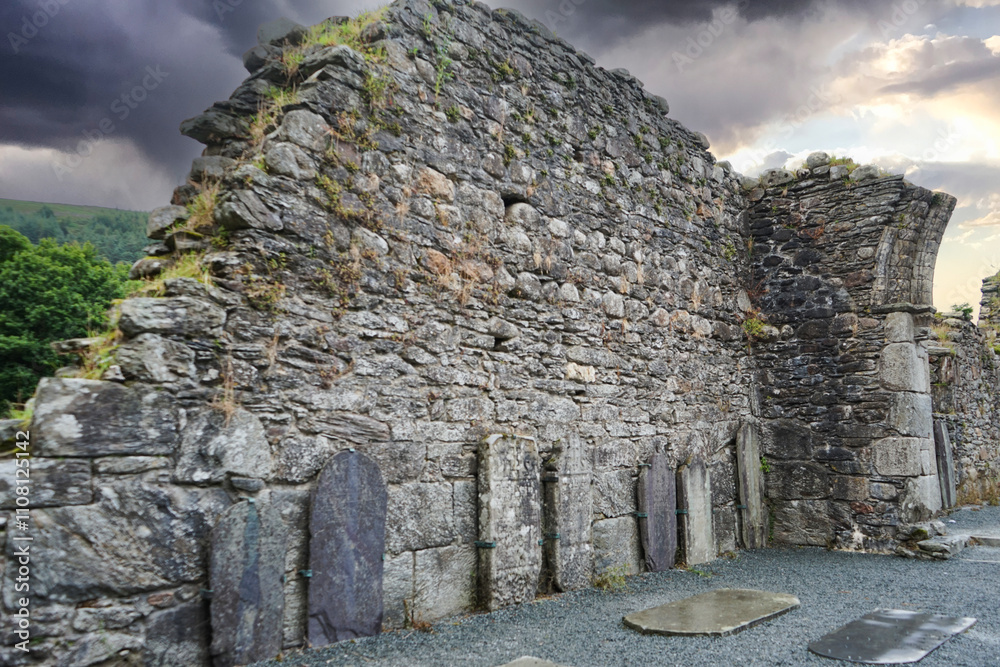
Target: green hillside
117,235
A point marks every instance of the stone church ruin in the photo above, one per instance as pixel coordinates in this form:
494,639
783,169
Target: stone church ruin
447,317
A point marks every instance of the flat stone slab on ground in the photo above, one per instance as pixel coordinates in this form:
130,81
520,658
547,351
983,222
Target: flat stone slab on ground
718,613
528,661
890,637
987,540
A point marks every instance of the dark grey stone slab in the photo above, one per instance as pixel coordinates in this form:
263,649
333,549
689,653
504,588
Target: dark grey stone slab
718,613
945,464
657,503
569,509
347,540
510,558
694,501
890,637
752,516
248,602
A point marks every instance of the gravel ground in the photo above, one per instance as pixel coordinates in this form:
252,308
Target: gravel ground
584,629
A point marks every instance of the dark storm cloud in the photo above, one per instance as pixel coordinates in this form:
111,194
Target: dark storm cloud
70,70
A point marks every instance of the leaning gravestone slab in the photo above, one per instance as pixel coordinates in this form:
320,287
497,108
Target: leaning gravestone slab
694,501
347,540
657,504
718,613
510,558
946,464
248,602
890,637
569,549
753,523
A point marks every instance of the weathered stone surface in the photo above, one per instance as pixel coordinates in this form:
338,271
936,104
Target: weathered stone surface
694,495
921,498
53,482
899,328
247,565
214,445
752,516
911,414
130,465
163,219
178,637
181,316
890,637
155,359
617,547
420,517
397,590
802,522
657,500
347,543
945,464
444,581
244,210
510,558
902,369
305,129
84,552
719,613
793,480
897,456
89,418
568,513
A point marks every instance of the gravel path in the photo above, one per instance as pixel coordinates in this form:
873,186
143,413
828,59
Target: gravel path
584,629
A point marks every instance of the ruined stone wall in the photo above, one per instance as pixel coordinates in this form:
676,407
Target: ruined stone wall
965,374
452,244
843,267
461,228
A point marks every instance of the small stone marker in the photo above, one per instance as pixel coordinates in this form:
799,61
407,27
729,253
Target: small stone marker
890,637
657,505
510,557
752,518
569,510
694,503
347,540
718,613
945,464
248,599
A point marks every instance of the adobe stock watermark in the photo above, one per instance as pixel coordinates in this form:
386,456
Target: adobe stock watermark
122,107
224,7
902,13
32,23
563,13
820,99
698,44
20,539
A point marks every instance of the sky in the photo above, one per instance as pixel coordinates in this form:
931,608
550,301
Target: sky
92,92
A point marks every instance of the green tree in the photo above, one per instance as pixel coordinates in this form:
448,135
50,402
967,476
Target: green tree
48,292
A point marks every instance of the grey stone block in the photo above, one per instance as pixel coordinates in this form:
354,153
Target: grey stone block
694,495
617,547
897,456
53,482
89,418
752,516
510,558
444,582
568,514
912,414
181,316
214,446
247,565
83,552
